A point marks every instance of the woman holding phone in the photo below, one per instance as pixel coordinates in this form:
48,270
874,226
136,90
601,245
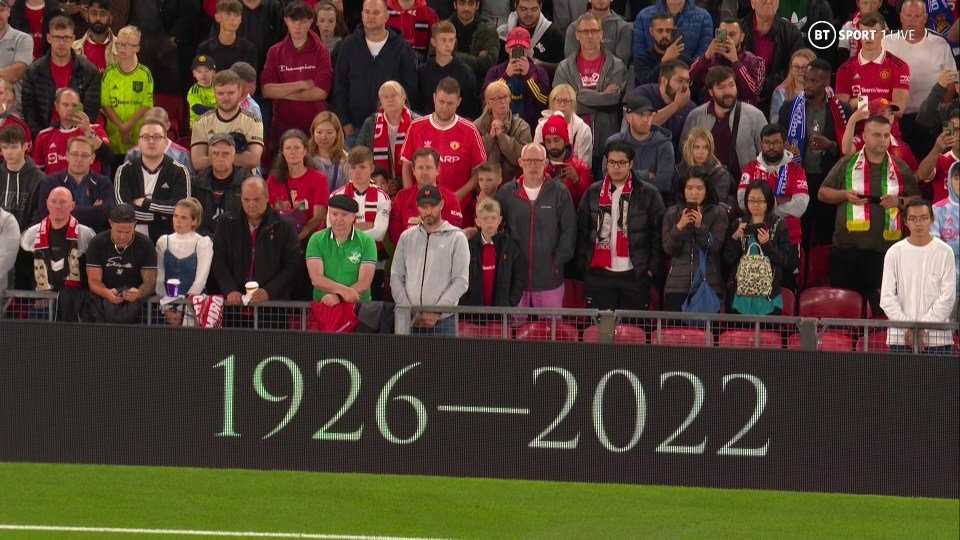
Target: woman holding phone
695,224
760,232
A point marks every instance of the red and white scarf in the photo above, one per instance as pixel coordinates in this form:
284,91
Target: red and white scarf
891,183
381,142
371,199
602,254
41,253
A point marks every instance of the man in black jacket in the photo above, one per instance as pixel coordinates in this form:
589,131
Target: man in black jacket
359,74
218,187
153,182
274,260
40,87
498,267
619,236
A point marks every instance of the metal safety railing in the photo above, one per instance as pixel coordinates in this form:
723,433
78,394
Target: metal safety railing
566,325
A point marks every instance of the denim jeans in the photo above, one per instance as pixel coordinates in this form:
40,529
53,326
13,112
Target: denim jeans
444,327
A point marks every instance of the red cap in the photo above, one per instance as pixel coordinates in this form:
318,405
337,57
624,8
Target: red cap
518,36
878,105
556,126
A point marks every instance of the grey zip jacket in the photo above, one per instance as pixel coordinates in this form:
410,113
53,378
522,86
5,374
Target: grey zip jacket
430,269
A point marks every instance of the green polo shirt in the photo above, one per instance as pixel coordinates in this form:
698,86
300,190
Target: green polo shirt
341,261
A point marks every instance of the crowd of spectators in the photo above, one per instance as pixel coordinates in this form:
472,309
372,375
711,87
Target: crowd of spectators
475,151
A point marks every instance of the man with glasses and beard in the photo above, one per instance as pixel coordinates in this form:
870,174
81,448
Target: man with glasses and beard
735,126
562,164
97,44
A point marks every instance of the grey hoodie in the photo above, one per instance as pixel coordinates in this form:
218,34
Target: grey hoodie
9,242
430,269
617,38
654,155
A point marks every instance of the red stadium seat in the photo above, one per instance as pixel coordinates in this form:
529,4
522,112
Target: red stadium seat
818,266
573,294
742,339
830,303
176,110
483,331
624,333
789,302
876,343
685,337
540,331
829,341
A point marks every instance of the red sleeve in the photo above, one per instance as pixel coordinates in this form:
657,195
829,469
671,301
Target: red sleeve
101,133
35,151
396,225
406,153
799,179
323,76
843,79
270,75
455,215
901,77
479,154
321,195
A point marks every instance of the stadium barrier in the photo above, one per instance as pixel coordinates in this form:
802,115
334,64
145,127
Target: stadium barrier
567,325
693,416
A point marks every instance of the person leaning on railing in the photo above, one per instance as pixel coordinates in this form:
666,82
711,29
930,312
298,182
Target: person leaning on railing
772,236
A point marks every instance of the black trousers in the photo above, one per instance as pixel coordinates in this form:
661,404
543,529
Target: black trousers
819,221
616,290
858,270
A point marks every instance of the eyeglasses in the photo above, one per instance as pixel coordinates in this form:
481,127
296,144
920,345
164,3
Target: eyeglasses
152,138
756,201
589,32
771,144
124,46
61,39
563,101
499,99
918,219
78,155
800,68
532,161
617,163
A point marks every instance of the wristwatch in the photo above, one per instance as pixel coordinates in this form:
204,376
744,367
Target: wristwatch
91,134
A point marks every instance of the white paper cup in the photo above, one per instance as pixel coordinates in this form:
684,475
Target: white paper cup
251,287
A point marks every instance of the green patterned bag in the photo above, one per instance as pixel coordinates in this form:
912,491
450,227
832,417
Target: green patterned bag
754,274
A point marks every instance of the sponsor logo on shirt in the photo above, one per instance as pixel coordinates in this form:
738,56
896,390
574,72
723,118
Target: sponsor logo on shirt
449,159
285,68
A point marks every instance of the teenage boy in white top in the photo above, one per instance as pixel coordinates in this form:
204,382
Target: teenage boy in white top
919,284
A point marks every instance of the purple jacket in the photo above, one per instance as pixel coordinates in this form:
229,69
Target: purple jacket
749,71
534,93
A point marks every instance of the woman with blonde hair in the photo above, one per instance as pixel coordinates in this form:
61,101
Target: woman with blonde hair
385,131
504,133
184,255
792,85
563,98
327,150
697,151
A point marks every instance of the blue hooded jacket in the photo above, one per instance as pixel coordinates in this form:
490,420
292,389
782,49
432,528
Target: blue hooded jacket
946,219
695,22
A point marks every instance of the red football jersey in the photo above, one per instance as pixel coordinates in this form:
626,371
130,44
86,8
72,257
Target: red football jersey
460,147
875,79
940,178
50,148
796,184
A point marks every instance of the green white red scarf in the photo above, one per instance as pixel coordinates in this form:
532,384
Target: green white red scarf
857,178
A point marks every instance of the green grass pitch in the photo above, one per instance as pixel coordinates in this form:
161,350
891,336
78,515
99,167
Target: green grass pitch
428,507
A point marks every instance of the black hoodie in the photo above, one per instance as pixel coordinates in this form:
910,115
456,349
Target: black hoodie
19,191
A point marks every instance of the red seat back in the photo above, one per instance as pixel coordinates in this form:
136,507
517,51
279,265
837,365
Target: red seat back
818,266
686,337
483,331
740,339
789,302
624,333
830,303
540,331
876,343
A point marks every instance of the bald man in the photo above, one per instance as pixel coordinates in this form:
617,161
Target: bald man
57,244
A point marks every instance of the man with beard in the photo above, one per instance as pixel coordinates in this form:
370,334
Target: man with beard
776,166
667,45
561,163
426,273
735,126
870,189
456,140
477,42
653,160
815,123
617,33
748,68
670,96
97,44
228,117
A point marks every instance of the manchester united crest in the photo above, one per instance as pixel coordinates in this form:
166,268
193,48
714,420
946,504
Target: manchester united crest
138,86
884,75
454,145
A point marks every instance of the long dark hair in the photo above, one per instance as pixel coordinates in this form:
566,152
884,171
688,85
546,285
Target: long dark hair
280,172
702,174
764,187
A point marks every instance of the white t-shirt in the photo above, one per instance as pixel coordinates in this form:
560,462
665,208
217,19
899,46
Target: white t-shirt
926,60
532,193
376,46
919,284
